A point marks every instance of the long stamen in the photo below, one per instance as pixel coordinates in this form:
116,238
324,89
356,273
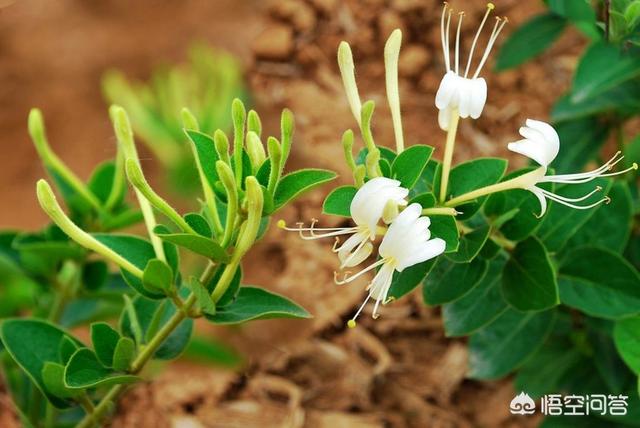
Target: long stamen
554,198
352,322
460,16
594,176
331,231
608,165
445,49
497,28
348,278
490,7
353,254
448,44
565,199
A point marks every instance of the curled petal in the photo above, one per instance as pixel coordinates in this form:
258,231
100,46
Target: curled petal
446,90
478,97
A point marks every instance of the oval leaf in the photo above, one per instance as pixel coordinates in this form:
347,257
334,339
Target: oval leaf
85,371
294,184
409,165
338,202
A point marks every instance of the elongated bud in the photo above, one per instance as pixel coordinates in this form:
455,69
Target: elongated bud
287,125
358,175
255,203
255,150
347,146
221,143
189,121
275,155
347,71
228,182
391,55
52,208
372,161
365,127
239,115
54,163
137,180
254,123
124,135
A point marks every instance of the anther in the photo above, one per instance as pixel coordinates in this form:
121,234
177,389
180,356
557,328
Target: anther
351,323
282,224
490,6
607,200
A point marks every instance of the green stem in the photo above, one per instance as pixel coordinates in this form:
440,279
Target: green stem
448,153
439,211
138,364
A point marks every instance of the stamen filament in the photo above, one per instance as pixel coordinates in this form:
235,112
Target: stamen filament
492,39
445,48
353,254
448,46
608,165
460,16
554,198
331,231
346,279
565,199
475,39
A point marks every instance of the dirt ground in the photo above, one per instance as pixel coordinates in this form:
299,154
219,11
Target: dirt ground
399,371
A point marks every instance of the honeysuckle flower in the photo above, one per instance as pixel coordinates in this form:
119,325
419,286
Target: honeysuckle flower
372,202
459,93
541,143
406,243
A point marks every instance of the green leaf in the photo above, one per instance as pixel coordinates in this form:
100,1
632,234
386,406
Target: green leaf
610,225
506,343
338,202
404,282
255,303
199,224
473,175
589,276
294,184
602,67
138,251
205,302
31,343
101,181
157,277
206,247
622,100
478,307
85,371
206,153
409,165
124,354
426,200
529,40
470,245
449,281
146,313
104,339
575,10
53,378
444,227
66,349
587,138
562,222
528,281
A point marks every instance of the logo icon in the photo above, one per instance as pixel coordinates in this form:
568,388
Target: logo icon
522,404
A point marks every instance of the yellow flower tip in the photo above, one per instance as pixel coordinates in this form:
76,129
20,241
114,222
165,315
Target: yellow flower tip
351,324
635,165
491,6
282,224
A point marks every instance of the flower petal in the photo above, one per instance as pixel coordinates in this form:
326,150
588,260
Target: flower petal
446,90
478,97
430,249
541,198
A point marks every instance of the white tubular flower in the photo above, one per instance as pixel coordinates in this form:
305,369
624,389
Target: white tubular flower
368,206
460,92
406,243
542,144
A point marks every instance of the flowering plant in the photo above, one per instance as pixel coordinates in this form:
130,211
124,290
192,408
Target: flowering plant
525,263
153,296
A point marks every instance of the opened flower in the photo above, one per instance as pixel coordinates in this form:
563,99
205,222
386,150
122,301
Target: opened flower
542,144
406,243
459,93
377,199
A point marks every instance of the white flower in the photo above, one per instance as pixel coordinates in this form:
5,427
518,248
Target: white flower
406,243
458,91
371,202
542,144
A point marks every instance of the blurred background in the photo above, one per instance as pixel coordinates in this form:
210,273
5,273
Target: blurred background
71,58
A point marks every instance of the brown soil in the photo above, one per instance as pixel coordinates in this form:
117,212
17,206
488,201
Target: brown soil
396,371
